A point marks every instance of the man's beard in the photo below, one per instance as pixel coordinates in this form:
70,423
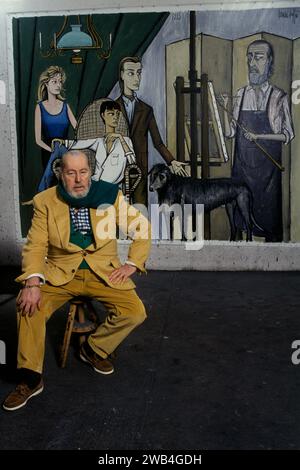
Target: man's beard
76,195
257,78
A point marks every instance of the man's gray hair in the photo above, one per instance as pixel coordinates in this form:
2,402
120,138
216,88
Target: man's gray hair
90,156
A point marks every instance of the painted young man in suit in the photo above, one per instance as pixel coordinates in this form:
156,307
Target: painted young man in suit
141,121
71,250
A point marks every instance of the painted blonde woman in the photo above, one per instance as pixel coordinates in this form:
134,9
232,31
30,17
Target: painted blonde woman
53,117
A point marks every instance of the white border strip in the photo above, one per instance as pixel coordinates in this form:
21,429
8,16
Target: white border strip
209,6
13,127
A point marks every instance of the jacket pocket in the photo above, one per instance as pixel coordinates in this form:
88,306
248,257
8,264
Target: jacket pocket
114,160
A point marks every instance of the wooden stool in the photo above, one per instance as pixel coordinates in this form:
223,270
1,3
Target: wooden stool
78,322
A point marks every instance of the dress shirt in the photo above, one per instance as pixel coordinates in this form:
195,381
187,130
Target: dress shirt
129,106
256,99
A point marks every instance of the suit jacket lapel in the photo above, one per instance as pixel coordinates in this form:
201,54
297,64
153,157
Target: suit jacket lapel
62,219
94,220
121,103
138,109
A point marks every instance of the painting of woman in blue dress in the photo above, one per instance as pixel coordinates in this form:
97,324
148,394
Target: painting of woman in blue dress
53,117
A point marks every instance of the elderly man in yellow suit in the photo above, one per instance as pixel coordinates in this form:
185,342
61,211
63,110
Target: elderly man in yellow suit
71,250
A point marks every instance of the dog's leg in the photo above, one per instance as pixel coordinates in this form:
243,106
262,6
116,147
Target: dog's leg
183,237
230,209
244,204
171,226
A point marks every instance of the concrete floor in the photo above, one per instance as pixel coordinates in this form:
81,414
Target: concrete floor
209,369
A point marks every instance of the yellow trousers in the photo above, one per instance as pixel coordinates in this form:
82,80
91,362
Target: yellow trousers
125,312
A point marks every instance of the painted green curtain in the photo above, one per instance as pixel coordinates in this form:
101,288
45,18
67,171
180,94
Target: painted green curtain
131,35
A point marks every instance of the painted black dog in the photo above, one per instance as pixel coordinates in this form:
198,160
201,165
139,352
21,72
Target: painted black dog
213,193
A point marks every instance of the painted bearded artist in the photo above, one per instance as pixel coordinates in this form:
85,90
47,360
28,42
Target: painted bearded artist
263,109
68,255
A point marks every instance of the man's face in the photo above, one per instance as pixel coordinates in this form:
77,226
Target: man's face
76,175
111,117
258,63
131,75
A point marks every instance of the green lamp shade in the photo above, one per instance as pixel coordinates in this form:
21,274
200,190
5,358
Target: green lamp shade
75,38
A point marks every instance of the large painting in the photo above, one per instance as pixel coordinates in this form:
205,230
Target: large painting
185,107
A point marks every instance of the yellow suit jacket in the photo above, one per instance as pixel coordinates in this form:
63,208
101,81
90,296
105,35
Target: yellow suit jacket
48,250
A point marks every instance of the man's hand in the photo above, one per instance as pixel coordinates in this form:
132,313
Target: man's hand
224,99
177,168
120,275
110,139
29,299
250,136
130,158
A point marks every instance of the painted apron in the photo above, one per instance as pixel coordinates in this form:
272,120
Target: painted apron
256,170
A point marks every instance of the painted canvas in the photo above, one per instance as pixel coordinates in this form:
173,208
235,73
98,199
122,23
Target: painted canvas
207,102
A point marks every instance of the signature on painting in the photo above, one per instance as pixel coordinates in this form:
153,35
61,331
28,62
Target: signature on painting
291,13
